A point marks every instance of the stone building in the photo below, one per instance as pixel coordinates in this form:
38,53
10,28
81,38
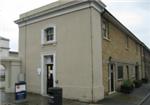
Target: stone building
146,61
79,46
9,66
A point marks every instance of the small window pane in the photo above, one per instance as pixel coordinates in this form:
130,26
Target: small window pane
105,30
2,75
49,34
120,72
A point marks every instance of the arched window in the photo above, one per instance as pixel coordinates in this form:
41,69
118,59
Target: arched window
2,73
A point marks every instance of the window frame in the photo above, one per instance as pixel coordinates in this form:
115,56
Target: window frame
127,42
132,72
105,31
44,35
118,72
137,48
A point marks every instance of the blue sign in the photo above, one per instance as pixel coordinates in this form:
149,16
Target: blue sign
20,91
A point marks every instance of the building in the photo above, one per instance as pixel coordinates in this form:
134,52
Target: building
121,52
79,46
146,61
10,65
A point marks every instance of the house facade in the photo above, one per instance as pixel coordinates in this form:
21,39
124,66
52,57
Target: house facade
121,53
74,45
10,65
146,62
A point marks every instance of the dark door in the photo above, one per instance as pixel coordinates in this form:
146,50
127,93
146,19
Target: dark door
112,88
50,82
137,72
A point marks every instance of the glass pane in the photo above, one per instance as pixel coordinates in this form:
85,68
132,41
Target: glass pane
49,34
120,72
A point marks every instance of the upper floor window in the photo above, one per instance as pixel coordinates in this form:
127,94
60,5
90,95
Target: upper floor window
137,48
2,73
127,42
48,35
105,29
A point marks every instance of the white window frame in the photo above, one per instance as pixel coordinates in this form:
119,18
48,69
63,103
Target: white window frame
105,35
132,72
43,35
127,42
122,71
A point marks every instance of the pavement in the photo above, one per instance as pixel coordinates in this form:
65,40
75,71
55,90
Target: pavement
137,97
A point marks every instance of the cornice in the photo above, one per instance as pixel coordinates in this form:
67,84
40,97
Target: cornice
60,10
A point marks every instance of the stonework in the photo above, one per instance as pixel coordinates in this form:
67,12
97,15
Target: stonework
116,48
10,66
84,63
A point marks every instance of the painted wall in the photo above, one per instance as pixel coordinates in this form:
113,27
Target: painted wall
4,48
78,54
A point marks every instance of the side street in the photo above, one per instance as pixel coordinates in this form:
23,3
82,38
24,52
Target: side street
137,97
74,52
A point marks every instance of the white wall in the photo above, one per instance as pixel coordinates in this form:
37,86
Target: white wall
4,48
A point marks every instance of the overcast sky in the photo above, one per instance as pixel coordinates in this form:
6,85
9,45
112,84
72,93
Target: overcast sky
134,14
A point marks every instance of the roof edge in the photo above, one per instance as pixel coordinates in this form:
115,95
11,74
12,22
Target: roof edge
115,21
57,8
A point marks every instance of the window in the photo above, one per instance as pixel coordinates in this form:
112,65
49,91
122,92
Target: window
137,46
48,35
127,42
105,29
132,72
127,67
120,72
2,73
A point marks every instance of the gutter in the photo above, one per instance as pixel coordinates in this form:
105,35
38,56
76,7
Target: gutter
57,8
92,75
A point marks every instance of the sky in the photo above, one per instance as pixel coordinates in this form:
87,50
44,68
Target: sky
134,14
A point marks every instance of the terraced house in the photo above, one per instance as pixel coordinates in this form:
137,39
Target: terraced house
79,46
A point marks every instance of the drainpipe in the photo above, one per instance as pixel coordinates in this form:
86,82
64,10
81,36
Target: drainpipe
92,75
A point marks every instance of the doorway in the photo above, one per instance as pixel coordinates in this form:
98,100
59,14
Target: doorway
50,77
137,72
111,78
48,72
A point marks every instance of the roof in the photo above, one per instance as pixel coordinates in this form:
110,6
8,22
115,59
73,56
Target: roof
59,6
2,38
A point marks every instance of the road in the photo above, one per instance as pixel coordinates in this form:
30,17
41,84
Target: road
147,101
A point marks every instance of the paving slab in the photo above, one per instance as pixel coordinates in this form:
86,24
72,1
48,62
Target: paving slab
115,99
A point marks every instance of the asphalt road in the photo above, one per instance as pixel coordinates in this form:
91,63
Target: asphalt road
147,101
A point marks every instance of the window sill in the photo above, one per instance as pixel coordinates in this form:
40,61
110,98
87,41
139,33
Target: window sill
49,43
107,39
120,79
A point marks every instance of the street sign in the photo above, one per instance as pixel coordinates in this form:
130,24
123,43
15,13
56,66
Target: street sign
20,91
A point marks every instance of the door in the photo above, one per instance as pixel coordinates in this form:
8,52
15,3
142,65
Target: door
111,78
50,76
137,72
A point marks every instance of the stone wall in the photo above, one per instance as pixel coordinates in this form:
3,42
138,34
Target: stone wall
116,49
